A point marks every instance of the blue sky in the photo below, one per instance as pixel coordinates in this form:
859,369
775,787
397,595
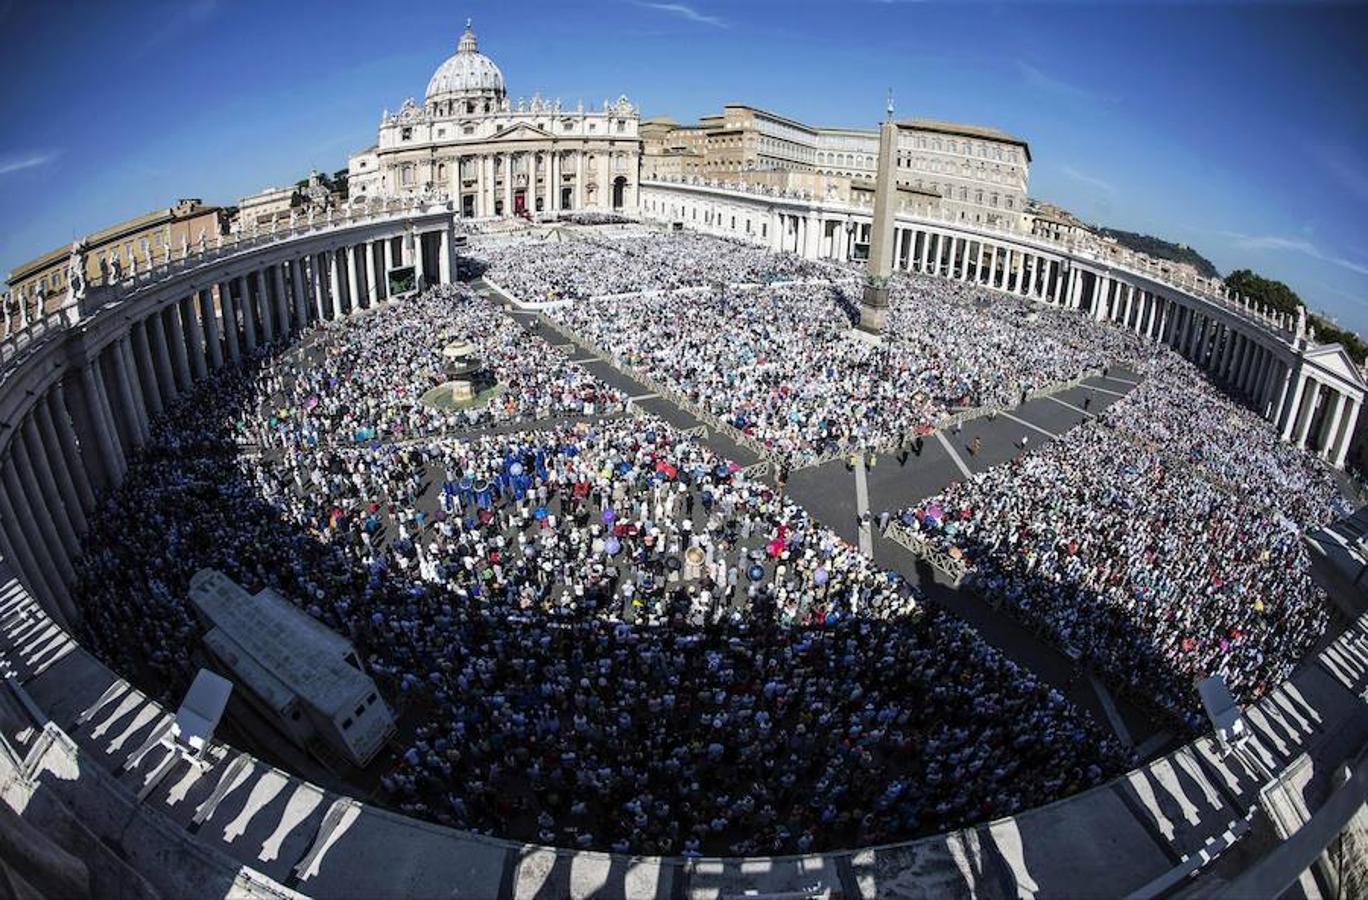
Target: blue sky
1241,130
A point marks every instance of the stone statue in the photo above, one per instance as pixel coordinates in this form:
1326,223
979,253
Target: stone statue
1301,321
76,283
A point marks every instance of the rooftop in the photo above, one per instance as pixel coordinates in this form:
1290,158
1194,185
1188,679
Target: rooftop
978,131
288,651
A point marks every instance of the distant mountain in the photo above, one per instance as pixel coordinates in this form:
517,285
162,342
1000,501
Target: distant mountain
1160,249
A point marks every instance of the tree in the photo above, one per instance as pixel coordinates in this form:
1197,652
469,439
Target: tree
1278,296
1264,291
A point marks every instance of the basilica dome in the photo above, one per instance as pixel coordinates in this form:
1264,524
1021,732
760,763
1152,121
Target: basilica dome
467,75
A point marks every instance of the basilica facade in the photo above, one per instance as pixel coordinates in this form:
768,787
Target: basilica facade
491,156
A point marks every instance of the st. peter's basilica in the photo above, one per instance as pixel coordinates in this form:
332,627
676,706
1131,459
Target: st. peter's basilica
492,156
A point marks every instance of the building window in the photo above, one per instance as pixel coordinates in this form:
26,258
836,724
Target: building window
405,133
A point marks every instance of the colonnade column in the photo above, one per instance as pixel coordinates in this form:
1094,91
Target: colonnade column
190,307
1339,448
33,457
267,305
141,359
282,302
29,541
334,283
1308,407
1293,386
52,556
1329,422
161,358
228,308
54,495
353,283
248,305
105,444
179,355
1244,375
130,389
209,319
1229,356
52,420
301,295
13,535
419,272
554,170
372,294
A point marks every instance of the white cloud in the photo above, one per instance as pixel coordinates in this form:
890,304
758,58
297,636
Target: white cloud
685,12
1293,245
20,163
1042,81
1343,167
1090,180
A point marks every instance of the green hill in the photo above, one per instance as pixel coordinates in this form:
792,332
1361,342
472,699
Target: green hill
1160,249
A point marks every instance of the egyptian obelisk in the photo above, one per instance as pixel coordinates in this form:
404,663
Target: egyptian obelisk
874,303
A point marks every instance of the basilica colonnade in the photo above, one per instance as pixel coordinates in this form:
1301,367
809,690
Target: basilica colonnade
78,396
1312,394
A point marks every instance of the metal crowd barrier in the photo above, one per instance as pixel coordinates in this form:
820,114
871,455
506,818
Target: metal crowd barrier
921,548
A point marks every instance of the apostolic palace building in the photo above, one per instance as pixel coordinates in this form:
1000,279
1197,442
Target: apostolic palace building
102,342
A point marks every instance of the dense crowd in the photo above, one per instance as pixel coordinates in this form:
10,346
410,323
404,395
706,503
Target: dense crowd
781,364
599,633
586,265
366,377
1159,545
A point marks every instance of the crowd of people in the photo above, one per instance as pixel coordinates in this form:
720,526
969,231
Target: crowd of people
781,364
598,633
1159,544
366,377
586,265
